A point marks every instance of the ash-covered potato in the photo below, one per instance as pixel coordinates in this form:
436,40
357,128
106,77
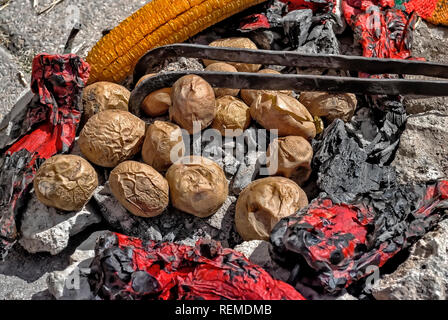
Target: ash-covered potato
244,43
139,188
223,67
101,96
65,182
264,203
111,137
231,114
284,113
330,106
249,96
193,101
197,186
156,103
290,157
163,145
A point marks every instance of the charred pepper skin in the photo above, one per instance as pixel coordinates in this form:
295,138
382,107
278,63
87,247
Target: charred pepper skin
158,23
126,268
340,241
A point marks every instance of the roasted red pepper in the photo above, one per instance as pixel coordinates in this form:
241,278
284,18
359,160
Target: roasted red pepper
129,268
57,81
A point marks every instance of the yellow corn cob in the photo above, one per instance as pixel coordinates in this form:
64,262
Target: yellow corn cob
158,23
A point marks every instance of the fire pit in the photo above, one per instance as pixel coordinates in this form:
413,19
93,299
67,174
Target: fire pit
184,163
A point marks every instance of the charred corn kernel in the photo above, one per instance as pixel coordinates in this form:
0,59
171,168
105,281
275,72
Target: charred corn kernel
158,23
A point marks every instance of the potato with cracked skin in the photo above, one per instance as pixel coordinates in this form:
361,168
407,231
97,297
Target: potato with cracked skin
284,113
290,157
249,95
197,186
193,101
264,203
156,103
231,114
139,188
163,145
223,67
65,182
330,106
243,43
101,96
111,137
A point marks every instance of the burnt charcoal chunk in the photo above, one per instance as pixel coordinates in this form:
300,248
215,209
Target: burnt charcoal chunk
342,166
296,25
144,283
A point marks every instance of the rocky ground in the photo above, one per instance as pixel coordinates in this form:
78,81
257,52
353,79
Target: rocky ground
23,33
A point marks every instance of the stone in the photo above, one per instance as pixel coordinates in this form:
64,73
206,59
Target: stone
46,229
430,42
72,283
11,85
424,275
421,155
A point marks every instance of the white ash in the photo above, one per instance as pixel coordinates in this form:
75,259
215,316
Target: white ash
183,64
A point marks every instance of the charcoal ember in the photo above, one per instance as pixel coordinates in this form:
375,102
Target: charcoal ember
343,168
275,13
352,159
254,142
55,112
127,268
13,168
341,242
173,225
245,175
322,39
296,25
228,162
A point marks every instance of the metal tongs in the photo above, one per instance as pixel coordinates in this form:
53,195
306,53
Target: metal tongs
297,82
